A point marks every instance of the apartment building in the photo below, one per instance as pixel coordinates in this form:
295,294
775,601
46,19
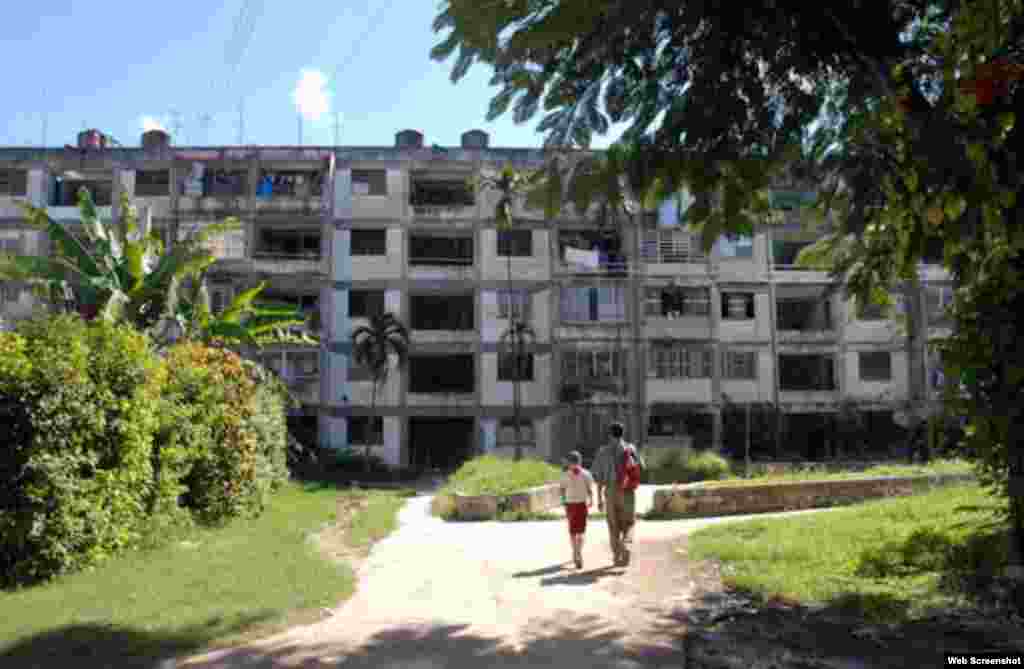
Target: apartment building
635,324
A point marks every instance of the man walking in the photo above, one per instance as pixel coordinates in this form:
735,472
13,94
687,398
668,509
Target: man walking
616,471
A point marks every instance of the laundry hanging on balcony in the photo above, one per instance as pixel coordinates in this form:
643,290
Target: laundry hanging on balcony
589,259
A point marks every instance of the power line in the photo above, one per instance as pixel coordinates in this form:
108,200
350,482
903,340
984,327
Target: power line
357,45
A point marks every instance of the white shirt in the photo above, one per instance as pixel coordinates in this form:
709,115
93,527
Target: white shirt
576,486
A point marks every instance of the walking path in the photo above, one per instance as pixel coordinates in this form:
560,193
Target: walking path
436,594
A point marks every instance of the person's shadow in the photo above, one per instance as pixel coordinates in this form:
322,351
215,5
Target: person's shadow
588,577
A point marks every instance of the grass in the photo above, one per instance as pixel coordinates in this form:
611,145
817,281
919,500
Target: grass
890,560
933,468
215,587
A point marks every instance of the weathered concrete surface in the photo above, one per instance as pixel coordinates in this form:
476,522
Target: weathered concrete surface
696,500
437,594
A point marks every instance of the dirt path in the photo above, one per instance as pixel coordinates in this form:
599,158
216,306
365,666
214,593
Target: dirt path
497,594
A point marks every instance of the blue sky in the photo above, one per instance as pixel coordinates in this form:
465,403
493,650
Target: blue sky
109,65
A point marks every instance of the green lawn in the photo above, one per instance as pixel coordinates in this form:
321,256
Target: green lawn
932,468
889,560
491,475
213,588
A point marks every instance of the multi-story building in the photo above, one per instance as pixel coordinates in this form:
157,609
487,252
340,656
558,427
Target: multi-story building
634,323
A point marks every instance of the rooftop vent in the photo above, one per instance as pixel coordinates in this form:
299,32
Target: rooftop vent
475,139
409,139
92,139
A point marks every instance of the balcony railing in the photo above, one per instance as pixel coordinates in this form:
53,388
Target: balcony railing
614,266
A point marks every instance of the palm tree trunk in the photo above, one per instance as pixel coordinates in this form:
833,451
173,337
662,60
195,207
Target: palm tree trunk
512,320
373,424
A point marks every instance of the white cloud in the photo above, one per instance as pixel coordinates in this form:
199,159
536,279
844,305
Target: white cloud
150,123
310,95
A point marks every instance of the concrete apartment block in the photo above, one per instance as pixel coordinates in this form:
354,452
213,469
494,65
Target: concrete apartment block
641,326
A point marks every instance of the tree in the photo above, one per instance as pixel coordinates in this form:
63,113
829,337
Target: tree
116,271
373,346
923,96
516,337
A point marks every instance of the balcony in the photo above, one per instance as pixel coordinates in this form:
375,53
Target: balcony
672,252
442,380
298,368
215,192
807,378
288,252
290,192
676,311
591,253
436,199
443,318
804,316
436,257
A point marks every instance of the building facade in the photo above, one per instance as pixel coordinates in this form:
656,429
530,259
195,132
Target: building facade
635,323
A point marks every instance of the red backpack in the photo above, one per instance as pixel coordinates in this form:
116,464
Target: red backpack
629,476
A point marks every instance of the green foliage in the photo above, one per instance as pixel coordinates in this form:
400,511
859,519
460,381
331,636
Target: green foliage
493,475
230,414
82,406
683,465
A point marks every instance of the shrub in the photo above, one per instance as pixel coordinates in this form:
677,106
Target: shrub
683,465
493,475
233,441
81,406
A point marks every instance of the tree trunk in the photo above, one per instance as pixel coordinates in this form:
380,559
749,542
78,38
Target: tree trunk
373,424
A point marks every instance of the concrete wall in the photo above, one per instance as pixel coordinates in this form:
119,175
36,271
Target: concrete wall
857,388
536,267
532,393
383,267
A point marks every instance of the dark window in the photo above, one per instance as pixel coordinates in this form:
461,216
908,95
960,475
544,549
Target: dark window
224,182
442,312
441,374
369,182
806,372
804,315
365,303
875,366
784,253
444,193
737,306
365,430
152,182
102,192
870,311
369,242
441,250
288,244
515,243
13,182
507,367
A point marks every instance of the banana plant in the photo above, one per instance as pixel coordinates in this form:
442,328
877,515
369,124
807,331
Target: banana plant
243,321
111,270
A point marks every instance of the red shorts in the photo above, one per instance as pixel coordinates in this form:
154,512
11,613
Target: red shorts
576,512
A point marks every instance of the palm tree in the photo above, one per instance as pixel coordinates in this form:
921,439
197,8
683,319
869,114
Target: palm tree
516,337
372,348
116,271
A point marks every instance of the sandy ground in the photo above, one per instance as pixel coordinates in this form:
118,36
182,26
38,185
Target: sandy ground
487,594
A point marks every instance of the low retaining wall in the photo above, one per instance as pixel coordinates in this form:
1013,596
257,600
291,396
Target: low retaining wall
487,507
696,500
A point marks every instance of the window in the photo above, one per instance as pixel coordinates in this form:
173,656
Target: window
441,250
365,303
673,301
365,430
671,246
739,365
369,182
9,293
592,364
369,242
507,432
515,243
443,312
225,182
590,303
735,246
801,371
737,306
507,367
518,300
673,361
152,182
288,244
875,366
11,245
667,426
442,374
784,253
13,182
804,314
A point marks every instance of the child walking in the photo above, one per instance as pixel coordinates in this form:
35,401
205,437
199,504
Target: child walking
577,496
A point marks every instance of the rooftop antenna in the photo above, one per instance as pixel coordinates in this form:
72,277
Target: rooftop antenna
205,121
176,126
337,128
300,129
241,121
45,118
